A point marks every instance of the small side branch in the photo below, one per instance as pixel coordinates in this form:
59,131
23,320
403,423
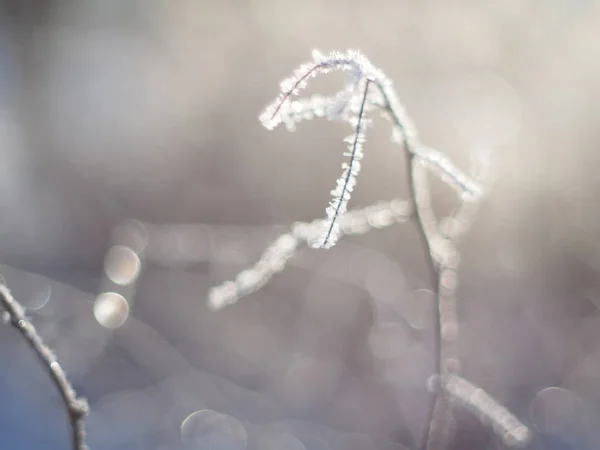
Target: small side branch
275,257
76,407
345,184
487,410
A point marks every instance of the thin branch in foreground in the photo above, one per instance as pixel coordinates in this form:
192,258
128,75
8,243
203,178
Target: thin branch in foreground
76,407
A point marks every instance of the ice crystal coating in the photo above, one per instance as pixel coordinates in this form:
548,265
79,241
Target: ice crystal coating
367,89
275,257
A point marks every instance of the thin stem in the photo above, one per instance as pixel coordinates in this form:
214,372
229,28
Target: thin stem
437,337
349,174
289,92
76,408
293,88
437,400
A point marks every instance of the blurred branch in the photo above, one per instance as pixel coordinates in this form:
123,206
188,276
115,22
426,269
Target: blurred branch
487,410
77,408
277,254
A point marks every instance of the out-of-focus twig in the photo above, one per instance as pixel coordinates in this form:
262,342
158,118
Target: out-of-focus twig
76,407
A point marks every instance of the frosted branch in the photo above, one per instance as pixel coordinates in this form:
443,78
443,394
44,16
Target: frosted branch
487,410
351,60
442,166
275,257
340,106
345,184
458,223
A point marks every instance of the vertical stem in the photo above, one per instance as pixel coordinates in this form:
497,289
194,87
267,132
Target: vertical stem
439,407
342,200
435,407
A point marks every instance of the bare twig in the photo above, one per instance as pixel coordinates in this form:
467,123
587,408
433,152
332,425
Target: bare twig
76,407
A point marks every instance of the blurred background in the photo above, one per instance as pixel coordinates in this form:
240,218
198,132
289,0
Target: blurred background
121,121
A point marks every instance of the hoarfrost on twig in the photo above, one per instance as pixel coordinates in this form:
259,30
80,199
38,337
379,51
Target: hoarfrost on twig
363,73
352,104
277,254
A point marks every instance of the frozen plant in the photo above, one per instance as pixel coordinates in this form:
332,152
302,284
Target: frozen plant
276,255
369,90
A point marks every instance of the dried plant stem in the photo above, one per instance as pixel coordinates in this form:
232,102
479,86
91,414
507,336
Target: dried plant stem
345,184
76,408
436,408
439,407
